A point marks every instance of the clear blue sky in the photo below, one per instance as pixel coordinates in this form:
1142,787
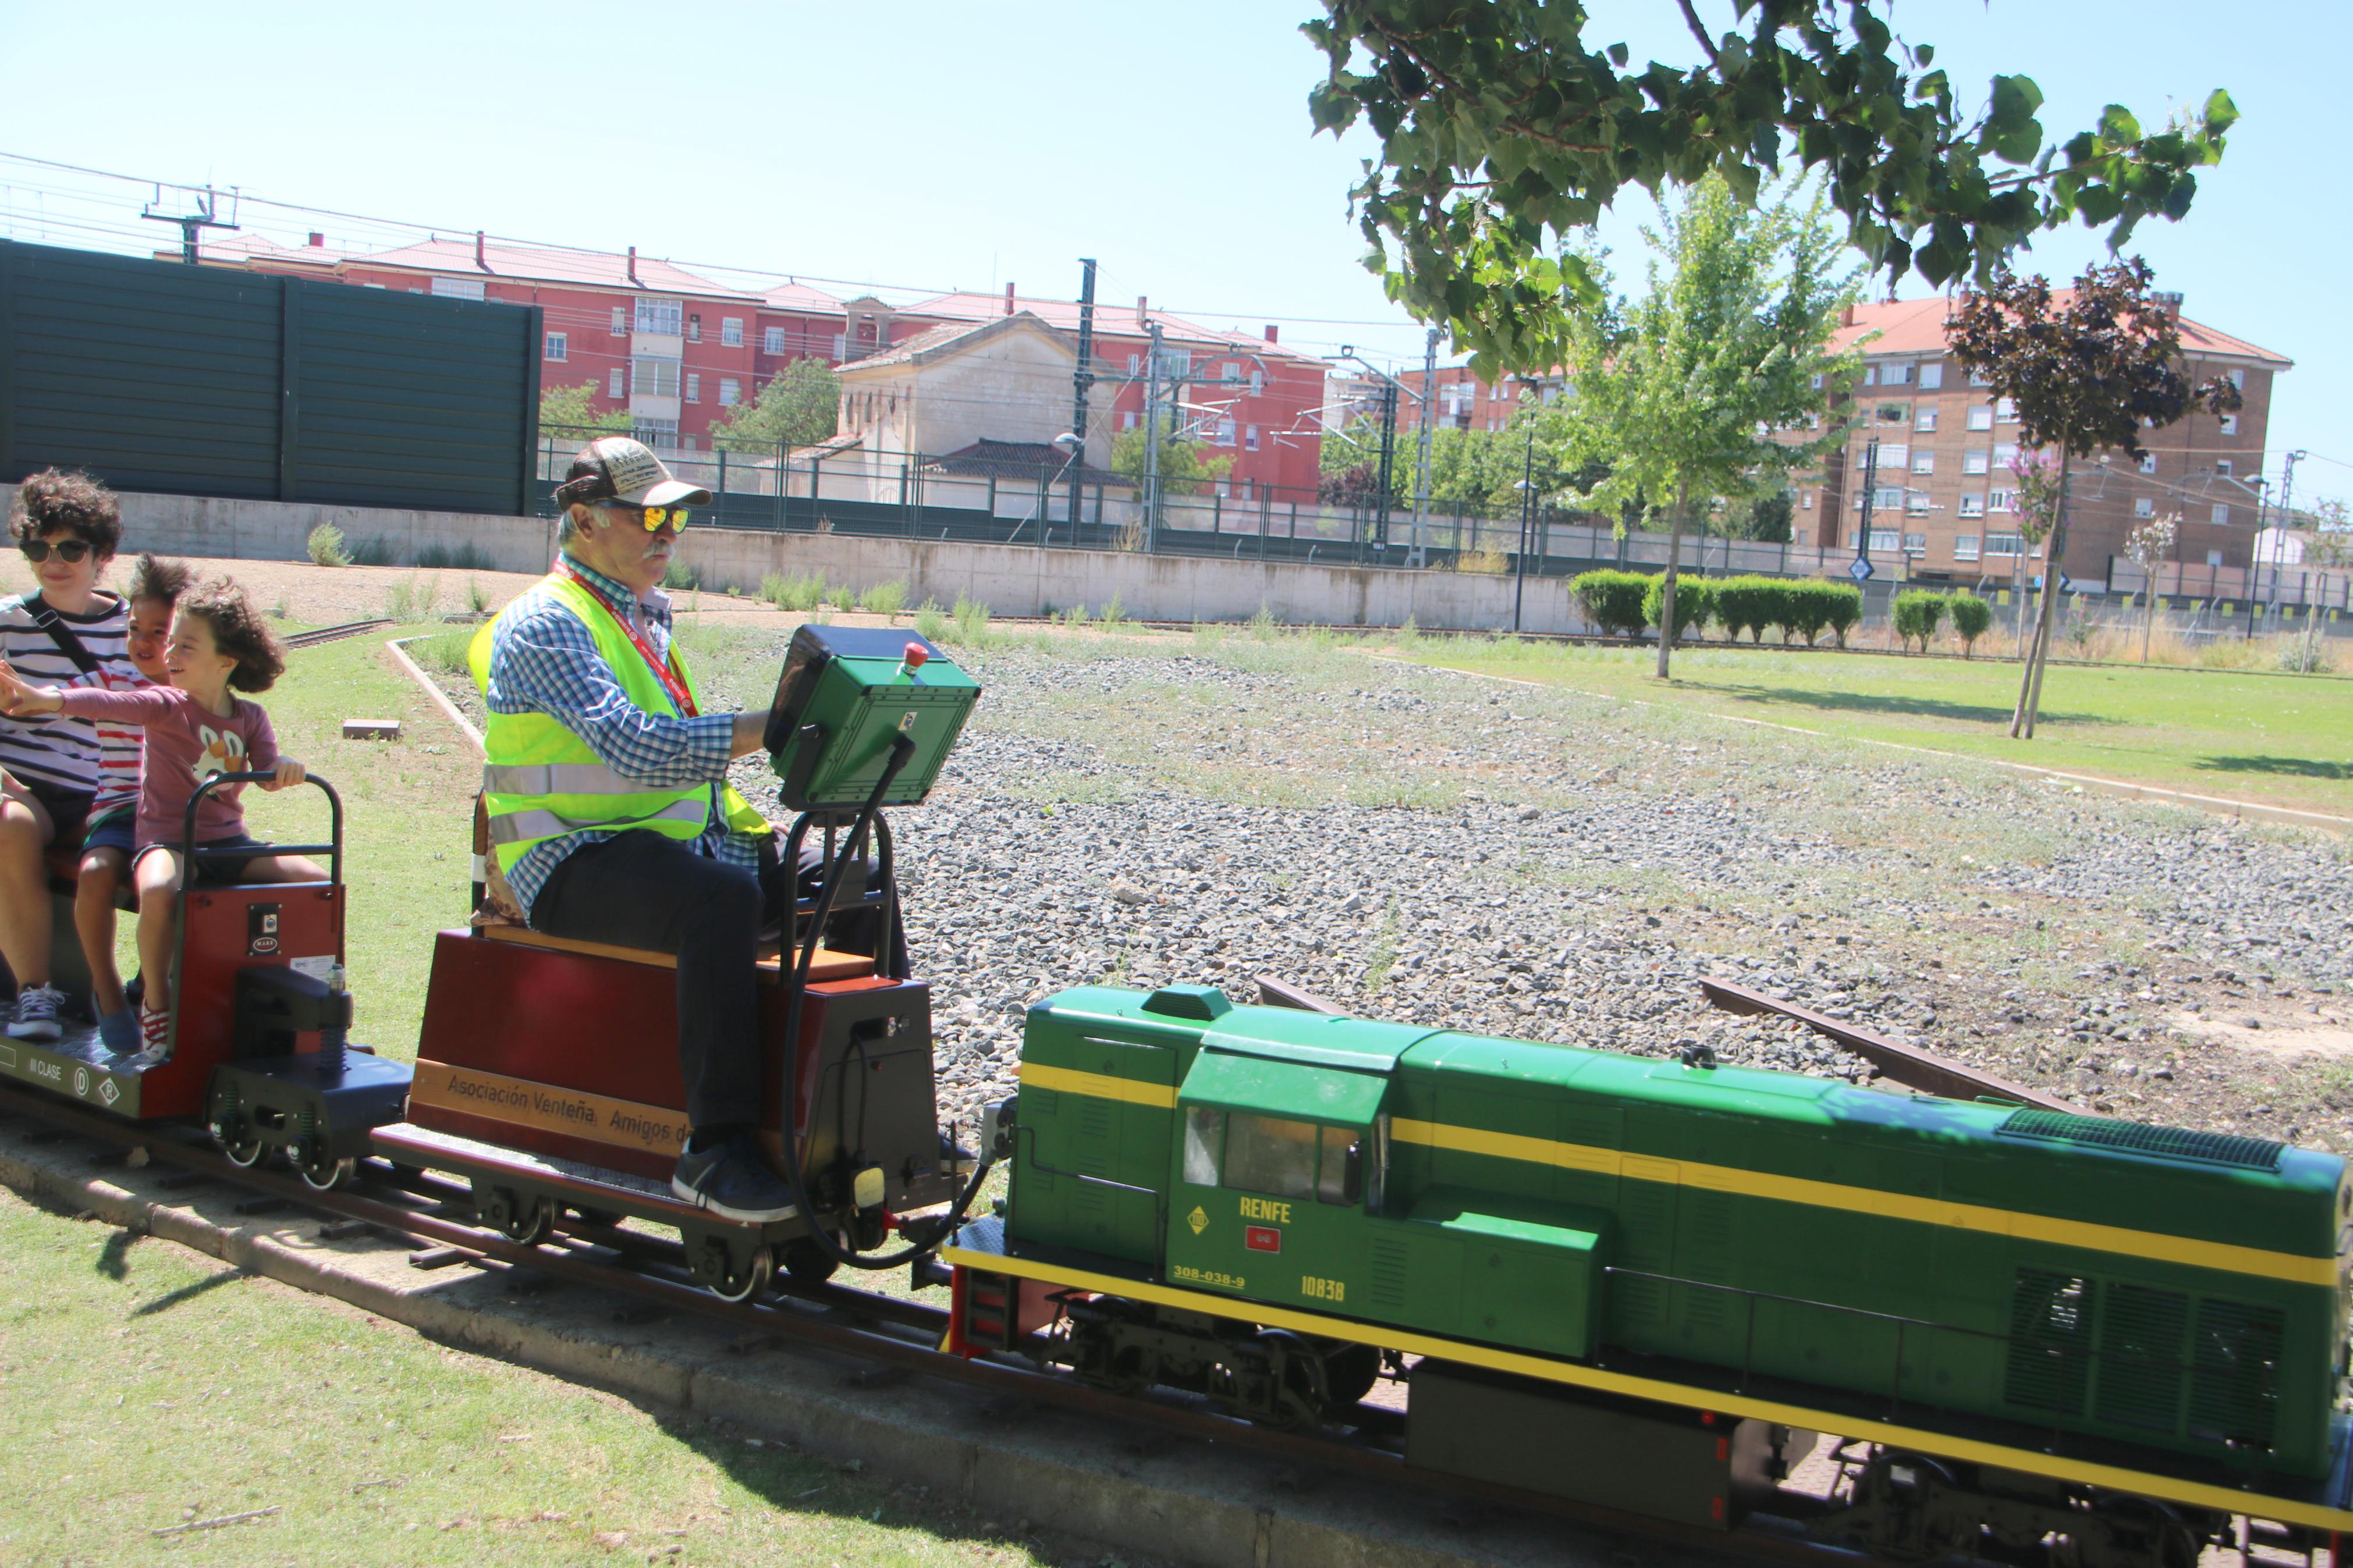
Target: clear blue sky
936,145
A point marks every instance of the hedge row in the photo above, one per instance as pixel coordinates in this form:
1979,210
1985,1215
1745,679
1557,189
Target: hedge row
1626,604
1918,612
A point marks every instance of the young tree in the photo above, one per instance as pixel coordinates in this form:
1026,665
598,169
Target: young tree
566,411
2086,376
1184,471
1505,130
800,407
2148,545
1685,389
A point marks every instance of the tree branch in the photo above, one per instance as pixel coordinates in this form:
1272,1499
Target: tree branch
1690,20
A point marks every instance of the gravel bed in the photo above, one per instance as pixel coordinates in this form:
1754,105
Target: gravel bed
1501,858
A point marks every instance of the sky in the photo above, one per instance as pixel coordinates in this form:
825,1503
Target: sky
919,147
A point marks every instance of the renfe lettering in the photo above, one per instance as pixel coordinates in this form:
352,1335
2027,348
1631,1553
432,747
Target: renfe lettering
1267,1209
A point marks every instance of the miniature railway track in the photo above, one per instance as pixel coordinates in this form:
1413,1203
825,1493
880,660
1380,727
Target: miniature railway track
314,637
891,1331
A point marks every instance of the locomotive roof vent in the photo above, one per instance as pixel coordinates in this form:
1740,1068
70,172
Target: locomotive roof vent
2165,1143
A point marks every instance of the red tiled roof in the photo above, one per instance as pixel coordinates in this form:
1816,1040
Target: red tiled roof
932,340
584,269
1111,320
240,250
800,297
1918,327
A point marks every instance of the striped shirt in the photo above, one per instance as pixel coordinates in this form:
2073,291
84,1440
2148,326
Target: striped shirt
119,746
51,751
545,660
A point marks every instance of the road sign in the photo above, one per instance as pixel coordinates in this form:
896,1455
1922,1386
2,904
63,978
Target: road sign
2066,584
1862,570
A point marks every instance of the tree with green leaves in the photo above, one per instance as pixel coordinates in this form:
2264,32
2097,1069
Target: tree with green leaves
1184,470
2087,375
1703,387
1506,130
568,411
800,407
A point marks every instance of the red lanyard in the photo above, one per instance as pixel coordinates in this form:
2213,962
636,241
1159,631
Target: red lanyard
672,682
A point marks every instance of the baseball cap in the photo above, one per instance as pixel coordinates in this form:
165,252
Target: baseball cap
615,467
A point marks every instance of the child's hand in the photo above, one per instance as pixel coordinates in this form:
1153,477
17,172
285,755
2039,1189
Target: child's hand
16,697
287,772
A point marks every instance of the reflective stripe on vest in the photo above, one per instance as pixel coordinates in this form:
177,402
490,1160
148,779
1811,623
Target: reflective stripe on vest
533,822
558,778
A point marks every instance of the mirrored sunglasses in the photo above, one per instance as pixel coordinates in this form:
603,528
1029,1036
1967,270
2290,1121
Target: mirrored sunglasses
653,517
69,551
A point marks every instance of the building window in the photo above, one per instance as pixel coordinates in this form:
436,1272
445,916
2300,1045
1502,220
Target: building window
1250,438
1883,538
1974,462
1817,381
655,432
1981,417
1894,414
731,392
1127,420
1257,382
731,332
1229,372
1979,378
1870,377
458,289
2239,380
2144,506
1135,364
839,344
1932,377
1225,432
772,339
1925,418
2222,517
1915,502
621,320
613,383
1806,500
694,329
2003,544
1887,498
1918,541
1972,504
1895,375
653,377
2225,466
559,346
2213,558
1965,547
1893,457
664,318
693,387
1924,462
2006,410
2230,424
2149,462
2005,455
2000,500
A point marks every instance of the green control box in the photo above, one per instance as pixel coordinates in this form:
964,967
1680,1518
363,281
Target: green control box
846,697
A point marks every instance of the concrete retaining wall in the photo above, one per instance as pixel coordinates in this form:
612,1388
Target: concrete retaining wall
1011,580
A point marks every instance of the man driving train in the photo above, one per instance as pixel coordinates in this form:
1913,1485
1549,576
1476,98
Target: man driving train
611,814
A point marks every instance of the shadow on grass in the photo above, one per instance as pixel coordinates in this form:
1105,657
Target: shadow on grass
1909,707
2294,767
115,1258
171,1299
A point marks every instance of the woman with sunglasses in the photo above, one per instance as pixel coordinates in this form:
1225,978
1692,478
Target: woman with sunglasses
67,526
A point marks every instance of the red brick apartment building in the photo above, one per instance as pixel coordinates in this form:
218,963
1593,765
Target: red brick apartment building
1943,496
674,350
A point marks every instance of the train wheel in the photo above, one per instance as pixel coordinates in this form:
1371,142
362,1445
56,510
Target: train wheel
608,1218
732,1278
529,1223
808,1263
1349,1373
243,1146
322,1172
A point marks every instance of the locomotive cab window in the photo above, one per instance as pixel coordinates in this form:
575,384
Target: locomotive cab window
1275,1155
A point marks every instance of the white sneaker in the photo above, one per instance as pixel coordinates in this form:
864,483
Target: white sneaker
37,1014
155,1028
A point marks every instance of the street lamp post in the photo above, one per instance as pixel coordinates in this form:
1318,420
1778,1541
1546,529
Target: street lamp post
1527,489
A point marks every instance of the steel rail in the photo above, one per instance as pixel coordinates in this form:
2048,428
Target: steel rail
191,1152
318,635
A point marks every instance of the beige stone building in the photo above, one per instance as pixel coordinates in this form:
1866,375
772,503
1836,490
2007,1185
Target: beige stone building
1938,448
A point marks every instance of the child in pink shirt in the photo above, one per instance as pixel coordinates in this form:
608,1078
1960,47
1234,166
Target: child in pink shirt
196,728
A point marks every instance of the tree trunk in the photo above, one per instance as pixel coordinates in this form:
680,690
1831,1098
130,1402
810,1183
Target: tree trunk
2148,619
2030,692
1667,588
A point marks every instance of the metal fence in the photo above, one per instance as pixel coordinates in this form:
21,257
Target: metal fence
213,381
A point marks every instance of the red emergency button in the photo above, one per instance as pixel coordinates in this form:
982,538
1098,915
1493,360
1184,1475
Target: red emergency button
1262,1238
916,655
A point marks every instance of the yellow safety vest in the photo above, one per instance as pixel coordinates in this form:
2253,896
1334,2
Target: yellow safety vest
542,781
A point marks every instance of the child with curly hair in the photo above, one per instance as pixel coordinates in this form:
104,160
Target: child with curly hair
195,727
107,848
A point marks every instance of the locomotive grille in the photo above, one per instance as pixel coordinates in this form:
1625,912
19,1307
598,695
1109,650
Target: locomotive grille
2234,1379
2050,1339
2172,1143
1389,1273
2141,1357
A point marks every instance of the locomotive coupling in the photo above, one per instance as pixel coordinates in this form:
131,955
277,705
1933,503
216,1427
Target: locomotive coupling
996,1124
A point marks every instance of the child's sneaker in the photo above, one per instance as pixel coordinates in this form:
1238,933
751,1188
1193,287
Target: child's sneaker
155,1028
119,1031
37,1014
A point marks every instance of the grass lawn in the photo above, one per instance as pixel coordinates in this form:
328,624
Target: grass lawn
2283,740
149,1386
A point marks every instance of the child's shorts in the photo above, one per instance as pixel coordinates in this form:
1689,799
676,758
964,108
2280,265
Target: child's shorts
227,870
112,831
